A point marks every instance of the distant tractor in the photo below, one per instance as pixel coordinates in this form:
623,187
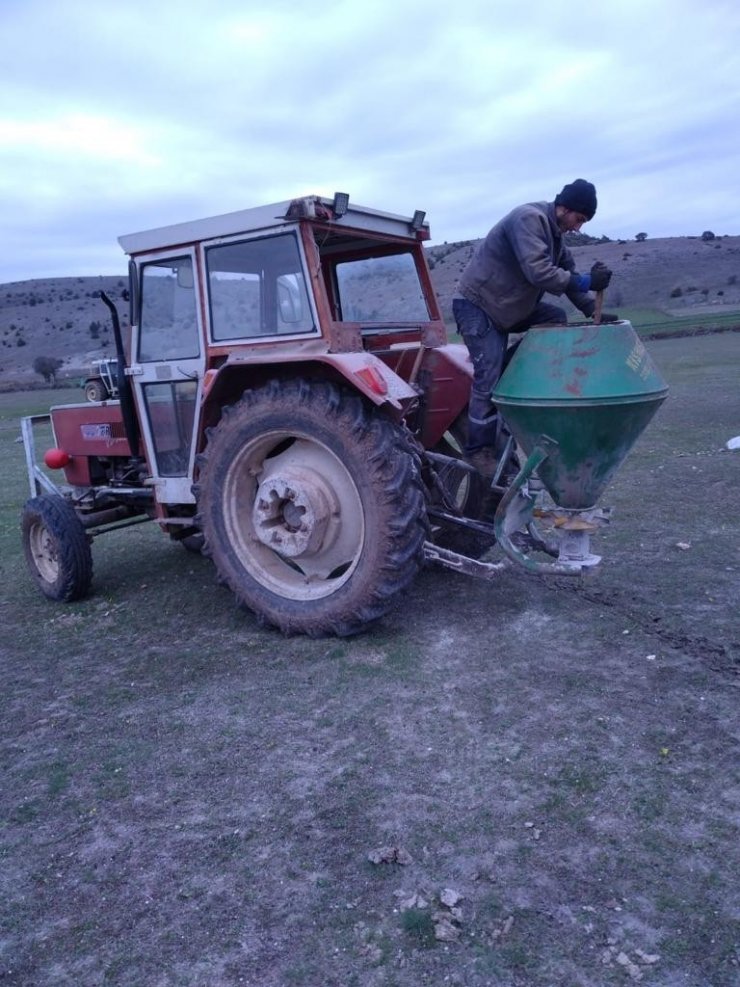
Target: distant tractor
291,405
102,383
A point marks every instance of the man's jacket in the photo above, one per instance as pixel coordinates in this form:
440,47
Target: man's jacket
522,257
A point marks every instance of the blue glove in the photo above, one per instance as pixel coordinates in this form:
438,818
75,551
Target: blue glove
580,282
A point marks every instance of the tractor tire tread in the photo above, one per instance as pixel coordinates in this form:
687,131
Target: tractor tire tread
73,555
391,469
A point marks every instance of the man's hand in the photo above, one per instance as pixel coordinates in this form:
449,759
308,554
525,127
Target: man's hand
600,276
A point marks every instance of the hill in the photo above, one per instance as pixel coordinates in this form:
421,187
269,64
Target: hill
653,279
55,317
676,276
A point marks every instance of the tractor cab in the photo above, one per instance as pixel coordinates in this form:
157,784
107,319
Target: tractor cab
311,282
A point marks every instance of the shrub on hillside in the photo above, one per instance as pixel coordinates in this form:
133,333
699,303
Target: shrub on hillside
48,367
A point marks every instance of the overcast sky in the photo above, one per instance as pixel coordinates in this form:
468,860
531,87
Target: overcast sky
121,116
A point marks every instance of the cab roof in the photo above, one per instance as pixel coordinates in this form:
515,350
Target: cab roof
311,208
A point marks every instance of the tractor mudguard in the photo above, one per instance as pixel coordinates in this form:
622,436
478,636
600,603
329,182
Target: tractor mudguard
363,372
445,376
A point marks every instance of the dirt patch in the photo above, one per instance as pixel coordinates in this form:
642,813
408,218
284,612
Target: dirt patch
191,800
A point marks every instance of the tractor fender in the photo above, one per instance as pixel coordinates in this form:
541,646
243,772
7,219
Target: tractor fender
456,354
363,372
447,375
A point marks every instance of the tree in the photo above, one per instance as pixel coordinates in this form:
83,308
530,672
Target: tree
48,366
640,237
707,235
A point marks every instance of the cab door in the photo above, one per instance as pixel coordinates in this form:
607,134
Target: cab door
167,366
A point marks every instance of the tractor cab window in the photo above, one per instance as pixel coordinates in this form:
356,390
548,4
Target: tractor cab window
257,288
380,289
168,328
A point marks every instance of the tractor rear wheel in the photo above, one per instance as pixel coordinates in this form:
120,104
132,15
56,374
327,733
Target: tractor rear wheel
312,507
57,548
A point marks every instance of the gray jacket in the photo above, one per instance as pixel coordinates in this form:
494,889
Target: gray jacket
522,257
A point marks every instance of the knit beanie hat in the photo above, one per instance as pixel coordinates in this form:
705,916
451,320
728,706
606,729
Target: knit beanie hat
580,196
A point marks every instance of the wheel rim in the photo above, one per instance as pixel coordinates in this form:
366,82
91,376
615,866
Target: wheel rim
44,552
457,481
293,515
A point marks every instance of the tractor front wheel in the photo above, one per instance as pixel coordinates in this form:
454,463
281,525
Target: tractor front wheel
57,548
312,507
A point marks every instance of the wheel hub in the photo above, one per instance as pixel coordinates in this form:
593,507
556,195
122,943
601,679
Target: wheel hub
293,510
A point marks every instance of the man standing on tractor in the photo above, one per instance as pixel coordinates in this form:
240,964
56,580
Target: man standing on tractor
500,292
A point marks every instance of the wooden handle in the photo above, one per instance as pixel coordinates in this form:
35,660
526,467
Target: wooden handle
598,307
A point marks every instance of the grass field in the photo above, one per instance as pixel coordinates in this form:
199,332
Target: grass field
189,800
654,323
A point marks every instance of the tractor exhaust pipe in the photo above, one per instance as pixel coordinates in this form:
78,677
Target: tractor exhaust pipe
125,395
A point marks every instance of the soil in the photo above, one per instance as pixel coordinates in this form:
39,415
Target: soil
521,783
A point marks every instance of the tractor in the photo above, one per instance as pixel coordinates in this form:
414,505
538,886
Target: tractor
101,384
290,405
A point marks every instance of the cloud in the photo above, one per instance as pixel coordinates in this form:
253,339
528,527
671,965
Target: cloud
114,119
